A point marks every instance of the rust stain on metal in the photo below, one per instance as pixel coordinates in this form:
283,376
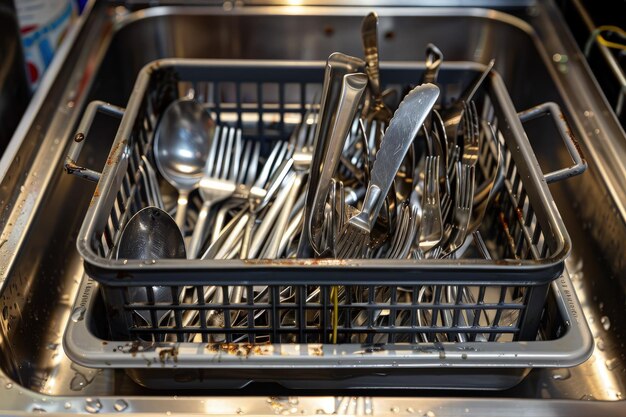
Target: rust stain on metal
240,349
316,351
569,133
114,150
507,232
168,353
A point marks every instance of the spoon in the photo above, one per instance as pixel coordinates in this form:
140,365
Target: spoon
181,148
151,234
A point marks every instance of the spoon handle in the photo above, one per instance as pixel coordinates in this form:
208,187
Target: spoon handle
181,210
198,230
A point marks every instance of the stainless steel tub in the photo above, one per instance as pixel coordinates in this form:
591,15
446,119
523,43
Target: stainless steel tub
41,210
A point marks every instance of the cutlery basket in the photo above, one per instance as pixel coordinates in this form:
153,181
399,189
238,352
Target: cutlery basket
287,303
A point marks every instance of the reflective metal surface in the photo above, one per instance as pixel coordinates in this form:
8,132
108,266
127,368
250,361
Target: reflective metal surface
42,208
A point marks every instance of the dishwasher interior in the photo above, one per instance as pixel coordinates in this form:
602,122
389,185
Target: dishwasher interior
44,209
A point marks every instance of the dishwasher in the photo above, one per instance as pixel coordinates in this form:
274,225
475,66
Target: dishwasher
74,340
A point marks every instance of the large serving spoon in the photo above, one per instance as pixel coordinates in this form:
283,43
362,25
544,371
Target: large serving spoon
151,234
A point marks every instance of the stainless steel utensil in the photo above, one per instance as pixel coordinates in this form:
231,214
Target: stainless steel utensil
151,234
452,115
404,125
219,181
337,66
181,149
353,86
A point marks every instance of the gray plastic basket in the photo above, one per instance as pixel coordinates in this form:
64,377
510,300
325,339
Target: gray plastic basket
524,229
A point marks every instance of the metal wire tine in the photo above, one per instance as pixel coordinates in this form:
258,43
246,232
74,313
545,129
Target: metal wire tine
264,175
352,242
219,162
245,162
236,163
253,166
211,159
228,153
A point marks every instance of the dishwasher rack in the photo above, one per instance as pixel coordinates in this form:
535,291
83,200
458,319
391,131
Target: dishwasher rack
524,230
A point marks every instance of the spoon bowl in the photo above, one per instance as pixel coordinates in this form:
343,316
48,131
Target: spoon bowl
151,234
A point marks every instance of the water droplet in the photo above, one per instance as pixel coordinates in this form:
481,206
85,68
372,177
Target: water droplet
93,405
561,374
52,346
606,323
587,397
37,409
168,413
78,382
611,363
78,314
125,261
429,414
67,405
395,410
120,405
600,343
22,188
619,395
8,385
239,411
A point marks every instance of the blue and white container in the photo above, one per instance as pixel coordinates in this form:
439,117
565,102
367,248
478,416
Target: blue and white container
43,24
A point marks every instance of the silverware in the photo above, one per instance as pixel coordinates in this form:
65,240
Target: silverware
452,114
352,89
403,127
181,149
369,35
337,66
151,234
431,226
218,183
463,208
434,59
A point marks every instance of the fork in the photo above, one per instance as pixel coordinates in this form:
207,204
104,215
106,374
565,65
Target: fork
471,134
431,227
462,214
302,157
403,127
219,179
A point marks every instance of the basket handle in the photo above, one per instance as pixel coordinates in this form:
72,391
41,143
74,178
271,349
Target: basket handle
553,109
81,134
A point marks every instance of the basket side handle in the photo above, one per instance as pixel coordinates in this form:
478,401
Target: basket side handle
552,109
70,166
